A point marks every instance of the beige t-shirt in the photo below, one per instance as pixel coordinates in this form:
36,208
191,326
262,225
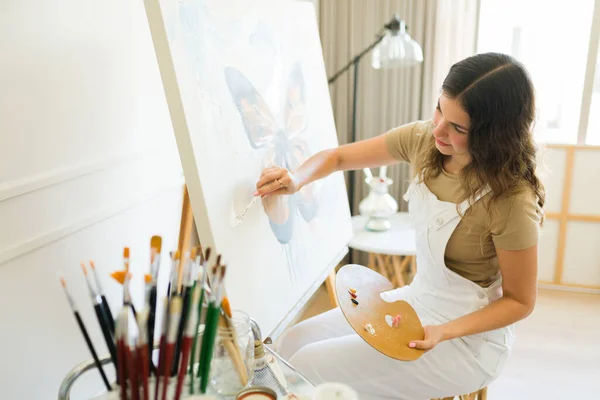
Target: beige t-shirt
471,249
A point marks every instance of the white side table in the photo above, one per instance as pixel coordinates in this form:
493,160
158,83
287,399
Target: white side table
392,252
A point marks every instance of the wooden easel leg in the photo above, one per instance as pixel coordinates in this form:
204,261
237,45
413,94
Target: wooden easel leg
330,284
185,229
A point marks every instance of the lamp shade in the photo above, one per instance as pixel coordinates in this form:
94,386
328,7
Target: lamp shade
397,49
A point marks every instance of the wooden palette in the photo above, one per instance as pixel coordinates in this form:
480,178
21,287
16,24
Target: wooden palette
372,309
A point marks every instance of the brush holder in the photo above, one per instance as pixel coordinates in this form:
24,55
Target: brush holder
233,356
379,205
115,394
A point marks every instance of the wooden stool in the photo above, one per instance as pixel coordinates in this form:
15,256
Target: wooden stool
481,394
391,253
397,269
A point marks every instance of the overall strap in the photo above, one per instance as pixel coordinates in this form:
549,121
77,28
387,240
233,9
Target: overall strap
411,188
464,206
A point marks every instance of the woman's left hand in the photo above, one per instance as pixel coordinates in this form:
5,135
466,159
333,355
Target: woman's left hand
434,334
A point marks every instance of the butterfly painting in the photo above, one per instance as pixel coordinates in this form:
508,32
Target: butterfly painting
284,144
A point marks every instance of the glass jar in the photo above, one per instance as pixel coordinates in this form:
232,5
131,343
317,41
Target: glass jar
233,356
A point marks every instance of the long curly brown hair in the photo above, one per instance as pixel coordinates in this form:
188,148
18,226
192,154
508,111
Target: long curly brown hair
497,93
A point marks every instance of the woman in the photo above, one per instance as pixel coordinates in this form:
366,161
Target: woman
476,203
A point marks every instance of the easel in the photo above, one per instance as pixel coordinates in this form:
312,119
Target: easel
185,239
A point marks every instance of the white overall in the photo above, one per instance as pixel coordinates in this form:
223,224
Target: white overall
326,349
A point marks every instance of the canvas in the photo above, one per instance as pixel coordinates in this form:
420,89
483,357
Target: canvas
247,89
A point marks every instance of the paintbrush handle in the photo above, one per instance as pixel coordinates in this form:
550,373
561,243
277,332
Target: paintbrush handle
210,333
182,322
193,361
92,350
169,349
144,369
105,331
185,350
151,322
109,316
121,369
132,372
161,362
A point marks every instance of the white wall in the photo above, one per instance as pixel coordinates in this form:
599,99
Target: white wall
88,164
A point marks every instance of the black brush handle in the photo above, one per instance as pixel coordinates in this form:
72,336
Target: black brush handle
109,316
92,350
182,322
105,331
151,321
133,309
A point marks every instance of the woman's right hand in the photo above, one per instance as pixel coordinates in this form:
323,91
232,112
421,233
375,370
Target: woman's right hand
276,181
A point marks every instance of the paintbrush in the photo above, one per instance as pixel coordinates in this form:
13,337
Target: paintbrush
101,316
186,296
187,341
105,305
209,292
231,345
172,287
130,355
122,352
161,347
85,333
210,331
142,352
202,283
155,249
126,294
175,309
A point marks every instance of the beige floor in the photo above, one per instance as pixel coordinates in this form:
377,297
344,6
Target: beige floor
557,353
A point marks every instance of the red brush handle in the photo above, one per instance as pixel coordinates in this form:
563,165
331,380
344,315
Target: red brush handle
161,364
169,350
121,372
132,372
186,345
144,369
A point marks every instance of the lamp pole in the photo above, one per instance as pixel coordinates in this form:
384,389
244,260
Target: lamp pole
393,25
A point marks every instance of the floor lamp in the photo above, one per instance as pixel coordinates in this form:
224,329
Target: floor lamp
392,48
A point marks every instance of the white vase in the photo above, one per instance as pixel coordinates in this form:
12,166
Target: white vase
379,205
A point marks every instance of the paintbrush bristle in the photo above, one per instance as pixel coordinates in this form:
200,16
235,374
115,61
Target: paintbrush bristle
226,307
177,255
219,259
92,265
83,268
126,252
62,281
156,243
193,255
120,276
207,254
148,278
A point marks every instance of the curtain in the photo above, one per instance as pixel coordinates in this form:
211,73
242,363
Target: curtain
446,30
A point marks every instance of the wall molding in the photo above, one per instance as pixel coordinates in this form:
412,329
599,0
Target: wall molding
31,183
92,219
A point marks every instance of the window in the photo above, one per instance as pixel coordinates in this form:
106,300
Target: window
552,40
